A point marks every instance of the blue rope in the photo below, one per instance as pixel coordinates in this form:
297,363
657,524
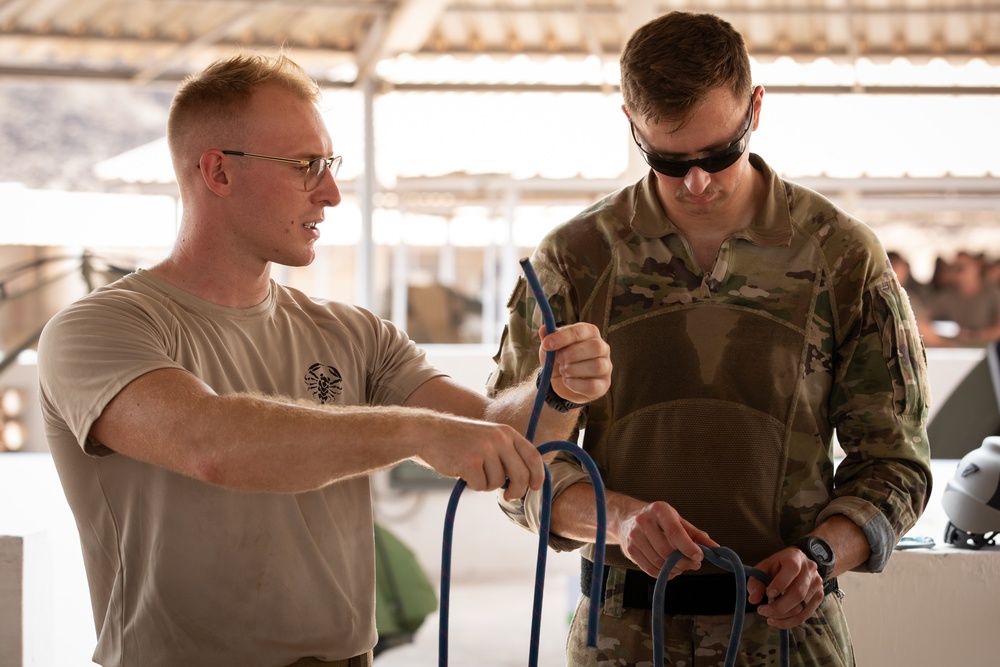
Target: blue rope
727,559
719,556
546,515
599,544
544,381
545,377
444,607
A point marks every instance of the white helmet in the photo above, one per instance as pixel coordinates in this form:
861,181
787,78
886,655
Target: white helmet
972,498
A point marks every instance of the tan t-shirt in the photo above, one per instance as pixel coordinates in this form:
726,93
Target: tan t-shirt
186,573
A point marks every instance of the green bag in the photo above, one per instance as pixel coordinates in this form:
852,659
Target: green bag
404,596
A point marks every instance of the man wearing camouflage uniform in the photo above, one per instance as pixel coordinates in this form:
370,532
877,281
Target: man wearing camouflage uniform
749,321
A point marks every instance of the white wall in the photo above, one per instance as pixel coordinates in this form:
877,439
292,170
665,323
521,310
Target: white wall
26,631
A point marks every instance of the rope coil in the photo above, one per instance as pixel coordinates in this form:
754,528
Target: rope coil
726,559
722,557
543,532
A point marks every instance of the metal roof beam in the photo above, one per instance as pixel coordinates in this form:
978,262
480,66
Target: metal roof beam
771,88
168,79
406,30
370,51
754,10
411,24
235,22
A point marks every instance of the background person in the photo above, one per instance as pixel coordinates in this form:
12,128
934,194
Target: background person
749,320
969,301
214,431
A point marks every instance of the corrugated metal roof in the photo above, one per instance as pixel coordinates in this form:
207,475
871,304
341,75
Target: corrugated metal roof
542,45
343,41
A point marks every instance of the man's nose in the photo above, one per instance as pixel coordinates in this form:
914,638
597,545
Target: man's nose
696,180
328,190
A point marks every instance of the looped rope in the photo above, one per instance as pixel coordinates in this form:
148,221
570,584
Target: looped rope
543,532
726,559
719,556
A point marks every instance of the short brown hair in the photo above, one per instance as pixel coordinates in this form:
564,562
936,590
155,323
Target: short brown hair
671,63
219,95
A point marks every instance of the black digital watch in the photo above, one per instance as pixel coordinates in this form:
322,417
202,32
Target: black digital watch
820,552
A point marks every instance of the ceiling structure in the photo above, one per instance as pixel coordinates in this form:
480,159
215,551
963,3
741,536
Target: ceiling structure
343,42
376,46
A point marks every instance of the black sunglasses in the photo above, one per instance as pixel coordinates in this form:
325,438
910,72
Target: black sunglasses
711,163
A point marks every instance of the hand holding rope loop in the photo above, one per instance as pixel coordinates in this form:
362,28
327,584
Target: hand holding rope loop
727,560
543,532
719,556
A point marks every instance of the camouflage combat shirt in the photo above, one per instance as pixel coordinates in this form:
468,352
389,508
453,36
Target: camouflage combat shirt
729,386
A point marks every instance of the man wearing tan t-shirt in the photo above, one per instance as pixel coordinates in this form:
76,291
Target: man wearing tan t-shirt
214,431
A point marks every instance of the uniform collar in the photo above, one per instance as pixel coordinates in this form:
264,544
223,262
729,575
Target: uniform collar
772,226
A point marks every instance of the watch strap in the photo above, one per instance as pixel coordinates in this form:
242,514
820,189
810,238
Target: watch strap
555,401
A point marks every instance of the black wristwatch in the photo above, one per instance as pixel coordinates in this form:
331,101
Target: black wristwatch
555,401
818,551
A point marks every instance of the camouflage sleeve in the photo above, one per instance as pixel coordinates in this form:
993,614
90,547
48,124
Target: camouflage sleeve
517,360
517,357
879,405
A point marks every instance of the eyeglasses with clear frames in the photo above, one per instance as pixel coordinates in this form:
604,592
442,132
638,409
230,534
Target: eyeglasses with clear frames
314,168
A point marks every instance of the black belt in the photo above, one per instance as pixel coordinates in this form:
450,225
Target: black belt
694,595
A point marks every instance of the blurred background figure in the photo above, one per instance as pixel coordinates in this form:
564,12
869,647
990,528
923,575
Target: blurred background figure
991,273
964,297
901,267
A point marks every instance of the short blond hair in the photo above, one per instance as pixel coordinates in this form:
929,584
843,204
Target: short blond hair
217,98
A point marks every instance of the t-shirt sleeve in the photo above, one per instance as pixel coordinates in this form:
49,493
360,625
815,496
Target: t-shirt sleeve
396,365
87,354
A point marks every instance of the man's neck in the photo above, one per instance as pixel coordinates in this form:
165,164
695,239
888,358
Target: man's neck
216,284
707,230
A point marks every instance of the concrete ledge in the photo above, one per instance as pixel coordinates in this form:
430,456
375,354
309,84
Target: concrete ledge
25,601
929,607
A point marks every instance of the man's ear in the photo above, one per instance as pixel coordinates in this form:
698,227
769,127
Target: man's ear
758,103
213,172
625,111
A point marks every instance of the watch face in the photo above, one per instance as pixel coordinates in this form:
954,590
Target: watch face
820,551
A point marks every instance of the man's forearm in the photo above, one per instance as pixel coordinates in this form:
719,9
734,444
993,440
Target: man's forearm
574,514
850,547
513,407
255,443
247,442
